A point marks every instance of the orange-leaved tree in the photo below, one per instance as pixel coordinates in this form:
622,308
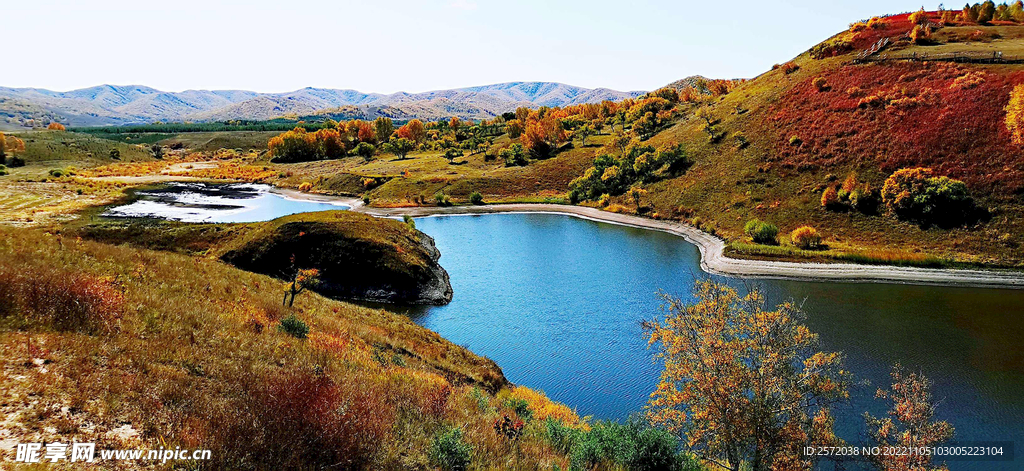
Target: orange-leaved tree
910,424
55,127
743,385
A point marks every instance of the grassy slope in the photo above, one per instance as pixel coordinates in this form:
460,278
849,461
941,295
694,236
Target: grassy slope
350,249
959,134
184,351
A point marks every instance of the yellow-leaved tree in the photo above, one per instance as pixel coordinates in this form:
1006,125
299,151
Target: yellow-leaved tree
1015,115
743,385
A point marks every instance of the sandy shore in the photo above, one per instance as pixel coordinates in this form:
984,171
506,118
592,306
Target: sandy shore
713,258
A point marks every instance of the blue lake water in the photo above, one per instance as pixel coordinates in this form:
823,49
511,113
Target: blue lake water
557,302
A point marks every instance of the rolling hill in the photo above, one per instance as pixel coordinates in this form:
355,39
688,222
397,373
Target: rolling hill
114,104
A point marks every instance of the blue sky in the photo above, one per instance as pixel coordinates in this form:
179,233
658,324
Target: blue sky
388,46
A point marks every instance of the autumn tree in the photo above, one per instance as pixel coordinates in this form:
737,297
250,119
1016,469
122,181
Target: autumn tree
366,133
636,193
1015,115
987,12
918,17
55,126
400,147
383,128
329,144
414,131
301,279
917,194
10,145
744,386
911,424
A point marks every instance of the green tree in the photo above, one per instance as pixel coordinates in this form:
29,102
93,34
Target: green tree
365,150
513,155
452,154
584,132
400,147
383,128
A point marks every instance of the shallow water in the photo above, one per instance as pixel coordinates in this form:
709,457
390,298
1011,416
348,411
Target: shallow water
557,302
202,202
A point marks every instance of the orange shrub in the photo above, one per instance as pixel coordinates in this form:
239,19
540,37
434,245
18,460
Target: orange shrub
305,186
806,237
829,198
55,127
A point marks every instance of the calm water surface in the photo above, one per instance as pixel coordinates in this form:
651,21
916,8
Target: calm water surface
557,301
203,202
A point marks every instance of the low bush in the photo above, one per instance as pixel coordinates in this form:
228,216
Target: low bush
305,186
762,232
806,237
449,452
916,194
476,198
294,326
634,445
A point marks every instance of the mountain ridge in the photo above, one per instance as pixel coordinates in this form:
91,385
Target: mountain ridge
134,104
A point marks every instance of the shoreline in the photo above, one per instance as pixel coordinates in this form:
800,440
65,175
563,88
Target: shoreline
712,249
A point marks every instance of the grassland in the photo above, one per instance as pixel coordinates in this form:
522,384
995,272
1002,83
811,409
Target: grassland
133,347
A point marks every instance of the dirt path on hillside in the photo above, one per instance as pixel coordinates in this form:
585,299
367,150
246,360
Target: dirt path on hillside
713,258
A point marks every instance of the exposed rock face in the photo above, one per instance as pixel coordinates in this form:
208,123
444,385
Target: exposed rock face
359,257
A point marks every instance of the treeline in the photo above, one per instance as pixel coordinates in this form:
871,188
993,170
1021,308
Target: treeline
535,133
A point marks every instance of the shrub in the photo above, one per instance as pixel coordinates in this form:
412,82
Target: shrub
3,170
806,237
830,198
442,199
520,406
449,452
59,300
795,141
915,194
820,84
409,221
305,186
294,326
832,47
790,67
476,198
921,35
633,445
762,232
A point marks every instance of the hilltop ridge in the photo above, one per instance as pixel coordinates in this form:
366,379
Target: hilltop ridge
130,104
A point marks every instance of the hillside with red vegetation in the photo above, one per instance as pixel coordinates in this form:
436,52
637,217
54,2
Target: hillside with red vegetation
945,116
779,147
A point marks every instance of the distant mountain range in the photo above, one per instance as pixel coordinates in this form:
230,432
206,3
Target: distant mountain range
132,104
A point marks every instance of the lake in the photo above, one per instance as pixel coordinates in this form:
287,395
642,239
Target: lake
204,202
557,302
